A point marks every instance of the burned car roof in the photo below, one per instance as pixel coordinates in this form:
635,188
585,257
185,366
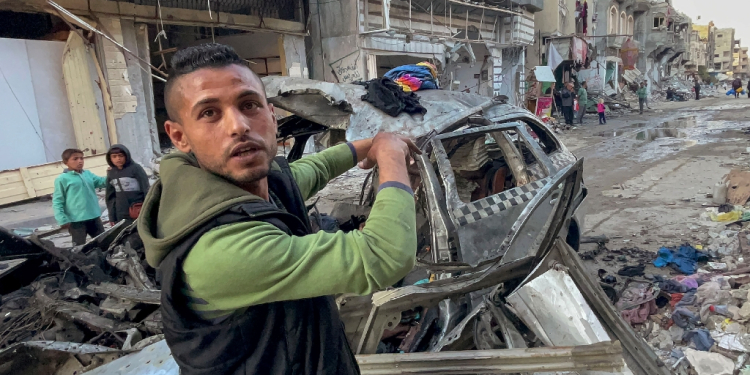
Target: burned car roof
339,106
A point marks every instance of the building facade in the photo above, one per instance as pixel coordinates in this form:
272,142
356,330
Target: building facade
97,71
740,63
724,51
666,43
478,47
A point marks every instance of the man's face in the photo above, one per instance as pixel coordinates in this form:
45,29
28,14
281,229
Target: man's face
222,116
118,159
75,162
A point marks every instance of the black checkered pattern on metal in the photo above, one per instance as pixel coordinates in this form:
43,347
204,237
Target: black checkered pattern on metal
562,159
536,171
494,204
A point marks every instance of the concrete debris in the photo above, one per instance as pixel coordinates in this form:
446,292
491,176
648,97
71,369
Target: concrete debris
709,363
75,297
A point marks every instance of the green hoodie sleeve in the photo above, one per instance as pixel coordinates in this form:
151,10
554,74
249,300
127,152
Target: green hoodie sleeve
58,202
312,173
252,263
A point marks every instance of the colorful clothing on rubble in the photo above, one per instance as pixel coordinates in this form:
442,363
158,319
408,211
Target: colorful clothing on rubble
411,78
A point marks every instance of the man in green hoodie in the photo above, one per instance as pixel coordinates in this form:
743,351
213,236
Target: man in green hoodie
74,199
246,286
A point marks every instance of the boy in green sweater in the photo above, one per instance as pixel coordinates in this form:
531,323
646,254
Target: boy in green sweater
74,201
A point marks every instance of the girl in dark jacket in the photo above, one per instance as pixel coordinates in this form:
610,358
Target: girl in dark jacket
127,185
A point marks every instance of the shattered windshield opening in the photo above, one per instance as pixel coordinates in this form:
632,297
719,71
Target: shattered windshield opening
489,163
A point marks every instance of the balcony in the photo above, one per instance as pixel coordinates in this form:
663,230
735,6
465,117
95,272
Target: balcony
615,41
532,6
642,6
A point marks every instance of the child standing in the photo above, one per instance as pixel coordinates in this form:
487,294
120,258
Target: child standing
74,200
127,185
600,109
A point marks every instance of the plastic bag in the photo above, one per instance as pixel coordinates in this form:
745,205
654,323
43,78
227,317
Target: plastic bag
575,105
730,92
725,217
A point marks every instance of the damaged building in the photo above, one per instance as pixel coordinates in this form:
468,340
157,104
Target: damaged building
667,44
89,74
478,47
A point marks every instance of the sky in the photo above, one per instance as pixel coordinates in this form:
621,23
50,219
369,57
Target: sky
724,13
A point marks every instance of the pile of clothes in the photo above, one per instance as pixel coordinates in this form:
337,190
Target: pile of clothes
414,77
394,92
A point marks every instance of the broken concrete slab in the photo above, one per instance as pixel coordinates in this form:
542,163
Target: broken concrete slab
706,363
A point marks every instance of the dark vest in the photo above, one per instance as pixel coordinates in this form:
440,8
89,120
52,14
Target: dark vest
287,337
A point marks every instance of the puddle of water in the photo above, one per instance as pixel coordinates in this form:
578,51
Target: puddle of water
637,125
649,135
679,123
610,133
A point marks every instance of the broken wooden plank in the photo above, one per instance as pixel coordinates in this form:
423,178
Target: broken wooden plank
152,297
605,356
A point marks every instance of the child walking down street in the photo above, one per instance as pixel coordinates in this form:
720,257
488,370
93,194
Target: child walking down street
74,200
600,110
127,185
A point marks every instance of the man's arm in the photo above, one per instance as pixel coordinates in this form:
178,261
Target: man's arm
258,263
312,173
58,203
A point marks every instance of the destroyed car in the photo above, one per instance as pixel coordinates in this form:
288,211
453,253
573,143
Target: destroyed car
498,199
484,161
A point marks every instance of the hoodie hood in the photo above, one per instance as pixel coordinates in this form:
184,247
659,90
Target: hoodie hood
125,150
183,199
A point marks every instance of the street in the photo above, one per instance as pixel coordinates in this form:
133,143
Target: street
649,175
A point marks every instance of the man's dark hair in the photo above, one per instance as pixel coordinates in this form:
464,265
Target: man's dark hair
67,154
188,60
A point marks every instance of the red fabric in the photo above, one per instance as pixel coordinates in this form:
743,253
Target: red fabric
675,297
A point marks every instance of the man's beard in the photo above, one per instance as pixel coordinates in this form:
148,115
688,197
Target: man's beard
248,179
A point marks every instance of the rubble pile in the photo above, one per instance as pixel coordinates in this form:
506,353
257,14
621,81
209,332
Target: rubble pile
690,302
102,293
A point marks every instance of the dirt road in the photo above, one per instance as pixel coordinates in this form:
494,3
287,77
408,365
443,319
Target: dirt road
648,175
